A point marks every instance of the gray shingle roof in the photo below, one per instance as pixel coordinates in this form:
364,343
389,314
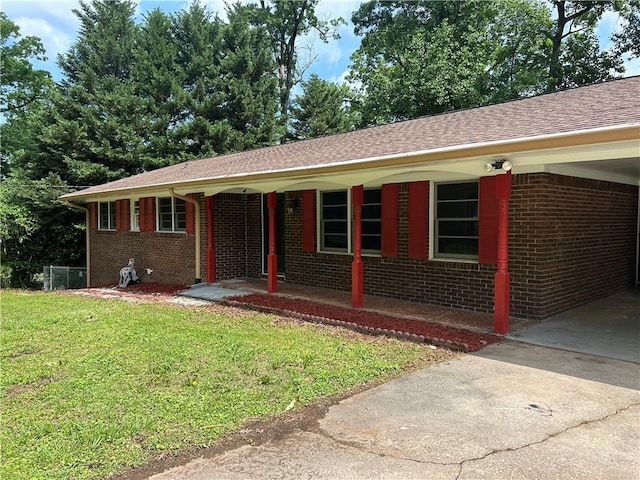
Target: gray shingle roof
610,104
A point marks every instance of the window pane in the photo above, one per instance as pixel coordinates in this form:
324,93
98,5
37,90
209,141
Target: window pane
371,228
457,201
335,241
103,223
165,215
181,215
334,198
371,211
335,227
463,209
458,246
135,217
112,215
458,191
371,242
337,212
372,196
457,229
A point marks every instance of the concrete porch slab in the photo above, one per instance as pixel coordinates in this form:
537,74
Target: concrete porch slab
609,328
210,291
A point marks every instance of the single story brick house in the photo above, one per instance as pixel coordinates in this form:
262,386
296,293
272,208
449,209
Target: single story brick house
525,209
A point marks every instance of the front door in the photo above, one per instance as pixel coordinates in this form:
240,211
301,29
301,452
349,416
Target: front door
279,233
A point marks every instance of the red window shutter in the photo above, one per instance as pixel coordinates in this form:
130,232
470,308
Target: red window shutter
147,217
308,221
125,221
122,215
488,221
418,219
151,215
389,225
189,210
142,224
93,216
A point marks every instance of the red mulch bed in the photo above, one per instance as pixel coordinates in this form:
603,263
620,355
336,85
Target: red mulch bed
370,322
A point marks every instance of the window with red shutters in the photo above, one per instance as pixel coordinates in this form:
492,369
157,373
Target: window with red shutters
456,220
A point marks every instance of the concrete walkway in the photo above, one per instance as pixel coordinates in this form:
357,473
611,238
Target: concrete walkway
510,411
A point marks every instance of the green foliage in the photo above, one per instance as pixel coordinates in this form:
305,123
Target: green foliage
427,57
21,83
579,18
287,23
628,41
322,109
133,97
96,120
91,387
35,229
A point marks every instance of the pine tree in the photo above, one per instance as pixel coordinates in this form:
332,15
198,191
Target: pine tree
322,109
96,120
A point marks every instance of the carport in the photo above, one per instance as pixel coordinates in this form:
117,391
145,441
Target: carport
609,328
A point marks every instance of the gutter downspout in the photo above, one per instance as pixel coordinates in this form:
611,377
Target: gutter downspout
88,239
196,204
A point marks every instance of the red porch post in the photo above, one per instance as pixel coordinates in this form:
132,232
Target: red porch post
501,299
272,258
211,252
357,271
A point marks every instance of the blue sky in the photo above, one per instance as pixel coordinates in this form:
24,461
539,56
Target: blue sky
54,22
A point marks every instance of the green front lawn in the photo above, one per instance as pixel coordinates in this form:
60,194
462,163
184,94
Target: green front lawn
93,386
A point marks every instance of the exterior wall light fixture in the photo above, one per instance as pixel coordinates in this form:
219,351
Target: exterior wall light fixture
503,164
294,204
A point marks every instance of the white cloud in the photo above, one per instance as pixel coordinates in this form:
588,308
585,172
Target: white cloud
632,67
609,23
54,39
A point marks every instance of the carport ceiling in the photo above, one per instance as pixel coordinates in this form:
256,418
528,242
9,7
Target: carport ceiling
628,167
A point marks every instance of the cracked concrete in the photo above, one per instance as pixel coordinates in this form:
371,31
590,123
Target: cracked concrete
510,411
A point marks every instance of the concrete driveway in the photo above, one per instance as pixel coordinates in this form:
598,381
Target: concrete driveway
510,411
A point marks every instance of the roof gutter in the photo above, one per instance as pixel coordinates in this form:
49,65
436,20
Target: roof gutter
88,238
196,204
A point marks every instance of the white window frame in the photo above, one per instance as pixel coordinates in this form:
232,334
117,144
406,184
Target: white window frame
111,215
134,215
319,203
174,216
320,237
379,220
433,224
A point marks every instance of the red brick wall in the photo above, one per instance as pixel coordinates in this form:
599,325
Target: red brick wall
237,231
170,255
465,285
571,240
